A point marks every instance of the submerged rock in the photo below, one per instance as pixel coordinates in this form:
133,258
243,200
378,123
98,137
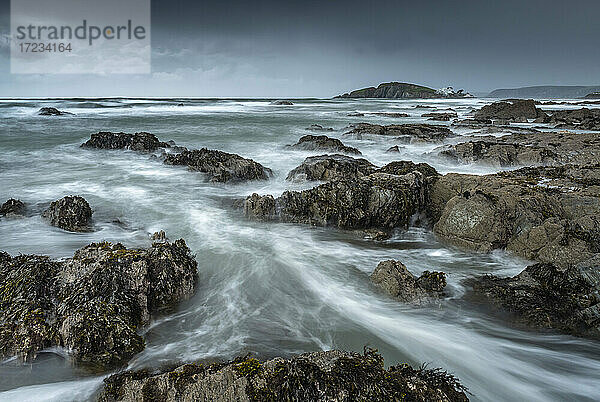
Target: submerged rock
52,111
544,296
12,208
517,110
394,149
323,143
92,304
396,280
142,142
318,127
391,114
318,376
72,213
331,167
281,103
220,166
407,133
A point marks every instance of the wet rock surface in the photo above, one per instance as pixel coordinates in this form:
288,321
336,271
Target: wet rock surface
281,102
141,142
441,116
318,127
93,303
52,111
323,143
12,208
407,133
513,110
318,376
331,167
220,166
544,296
580,119
385,199
528,149
547,214
71,213
396,280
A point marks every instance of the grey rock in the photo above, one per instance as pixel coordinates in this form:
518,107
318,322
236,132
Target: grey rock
72,213
517,110
331,167
323,143
407,133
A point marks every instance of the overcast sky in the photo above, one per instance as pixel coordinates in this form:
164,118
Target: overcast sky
281,48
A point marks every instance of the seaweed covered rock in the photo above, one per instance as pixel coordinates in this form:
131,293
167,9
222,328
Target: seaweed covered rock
142,142
319,376
396,280
323,143
331,167
281,102
547,214
379,200
260,207
94,303
72,213
406,133
544,296
220,166
12,208
517,110
500,155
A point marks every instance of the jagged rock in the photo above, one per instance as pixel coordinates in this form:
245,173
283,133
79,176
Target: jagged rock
379,200
393,149
580,119
318,376
544,296
323,143
318,127
12,208
52,111
281,103
220,166
142,142
531,148
547,214
91,304
331,167
441,116
72,213
396,280
517,110
260,207
408,133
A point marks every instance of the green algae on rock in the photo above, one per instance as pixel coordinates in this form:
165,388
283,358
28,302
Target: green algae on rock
319,376
93,303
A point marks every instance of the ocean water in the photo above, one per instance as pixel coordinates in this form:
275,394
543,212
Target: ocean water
267,288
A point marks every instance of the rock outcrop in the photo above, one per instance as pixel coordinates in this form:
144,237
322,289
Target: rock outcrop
220,166
318,376
580,119
331,167
141,142
52,111
528,149
396,280
385,199
406,133
12,208
71,213
323,143
515,110
93,303
446,116
547,214
544,296
318,127
281,103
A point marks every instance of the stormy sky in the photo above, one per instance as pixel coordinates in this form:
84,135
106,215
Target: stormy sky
278,48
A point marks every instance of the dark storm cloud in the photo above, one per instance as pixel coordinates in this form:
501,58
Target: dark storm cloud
320,48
